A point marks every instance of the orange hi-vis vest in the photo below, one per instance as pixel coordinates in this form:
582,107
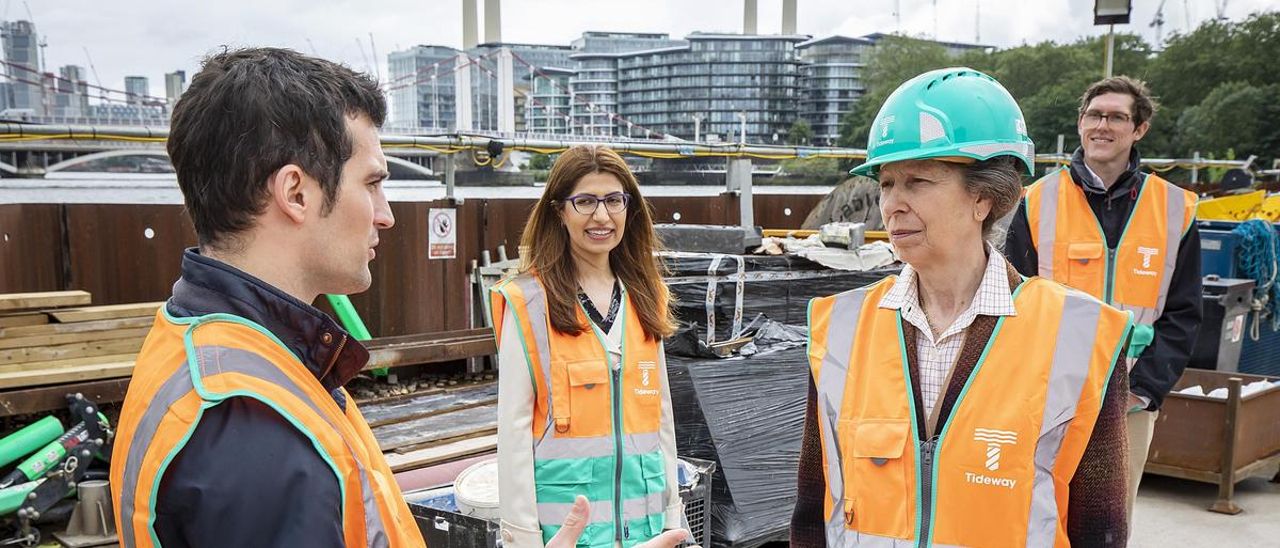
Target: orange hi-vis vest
188,365
1073,250
596,419
998,471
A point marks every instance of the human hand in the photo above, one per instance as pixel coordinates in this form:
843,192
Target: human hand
580,515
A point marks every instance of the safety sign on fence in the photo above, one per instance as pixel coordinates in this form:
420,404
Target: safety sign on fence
442,233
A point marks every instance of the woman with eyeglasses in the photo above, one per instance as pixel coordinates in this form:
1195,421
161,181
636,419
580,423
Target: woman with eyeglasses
583,403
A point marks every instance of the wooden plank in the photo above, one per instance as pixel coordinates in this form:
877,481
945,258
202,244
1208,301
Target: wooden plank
443,453
476,432
25,401
109,312
430,351
77,327
23,319
435,428
68,351
55,364
425,405
66,374
70,338
46,299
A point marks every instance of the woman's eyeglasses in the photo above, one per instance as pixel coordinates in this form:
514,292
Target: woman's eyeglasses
587,204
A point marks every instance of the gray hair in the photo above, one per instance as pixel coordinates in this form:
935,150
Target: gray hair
998,179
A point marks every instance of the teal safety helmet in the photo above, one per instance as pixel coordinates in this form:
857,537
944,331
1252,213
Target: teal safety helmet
951,112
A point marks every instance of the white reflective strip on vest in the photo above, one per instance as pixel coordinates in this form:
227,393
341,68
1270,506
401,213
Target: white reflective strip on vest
551,447
554,513
1047,233
842,327
1076,338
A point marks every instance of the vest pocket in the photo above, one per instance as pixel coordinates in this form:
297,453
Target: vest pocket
878,483
580,397
1086,268
655,480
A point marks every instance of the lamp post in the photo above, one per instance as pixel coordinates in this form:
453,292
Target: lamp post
1111,13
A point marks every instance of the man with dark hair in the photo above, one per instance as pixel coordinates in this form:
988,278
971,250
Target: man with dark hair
236,430
1126,237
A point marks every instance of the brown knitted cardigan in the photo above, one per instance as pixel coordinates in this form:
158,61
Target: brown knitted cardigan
1096,510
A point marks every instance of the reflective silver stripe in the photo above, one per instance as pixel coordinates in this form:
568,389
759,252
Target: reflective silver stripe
1175,215
1076,338
861,540
842,329
552,447
554,513
535,304
1048,226
652,503
173,389
214,360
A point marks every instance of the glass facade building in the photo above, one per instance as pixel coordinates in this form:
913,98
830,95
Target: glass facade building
718,79
831,78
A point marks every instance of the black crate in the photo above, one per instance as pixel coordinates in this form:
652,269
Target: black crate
442,525
697,501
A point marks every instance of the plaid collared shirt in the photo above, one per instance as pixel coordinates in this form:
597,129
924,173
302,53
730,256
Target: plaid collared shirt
937,357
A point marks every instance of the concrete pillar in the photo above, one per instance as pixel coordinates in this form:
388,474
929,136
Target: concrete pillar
788,17
506,90
469,24
749,17
492,21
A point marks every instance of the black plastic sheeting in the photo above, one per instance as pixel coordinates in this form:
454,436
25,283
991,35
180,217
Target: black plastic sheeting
746,413
778,286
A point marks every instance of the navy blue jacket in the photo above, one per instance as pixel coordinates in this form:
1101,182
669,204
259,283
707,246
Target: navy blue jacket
247,477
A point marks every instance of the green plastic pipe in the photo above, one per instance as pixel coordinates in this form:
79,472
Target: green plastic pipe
12,498
351,321
29,439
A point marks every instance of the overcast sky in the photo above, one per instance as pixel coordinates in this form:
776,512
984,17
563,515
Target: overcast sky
152,37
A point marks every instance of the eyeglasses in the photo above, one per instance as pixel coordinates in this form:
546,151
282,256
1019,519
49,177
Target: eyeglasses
587,204
1092,117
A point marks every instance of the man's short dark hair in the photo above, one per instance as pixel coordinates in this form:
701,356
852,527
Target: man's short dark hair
1144,105
250,112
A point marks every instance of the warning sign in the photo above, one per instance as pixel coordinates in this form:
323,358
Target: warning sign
442,233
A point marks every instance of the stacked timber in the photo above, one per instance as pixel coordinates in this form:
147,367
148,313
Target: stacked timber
53,338
436,425
55,343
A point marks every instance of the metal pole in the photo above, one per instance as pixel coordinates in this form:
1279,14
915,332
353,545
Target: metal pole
449,176
742,136
1195,167
697,128
1111,46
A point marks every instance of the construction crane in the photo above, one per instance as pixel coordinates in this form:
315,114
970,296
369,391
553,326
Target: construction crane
101,90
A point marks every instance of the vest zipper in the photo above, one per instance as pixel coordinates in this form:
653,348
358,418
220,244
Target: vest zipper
620,528
1108,284
927,450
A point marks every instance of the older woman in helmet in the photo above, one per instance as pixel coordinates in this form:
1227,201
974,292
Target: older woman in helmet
960,404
